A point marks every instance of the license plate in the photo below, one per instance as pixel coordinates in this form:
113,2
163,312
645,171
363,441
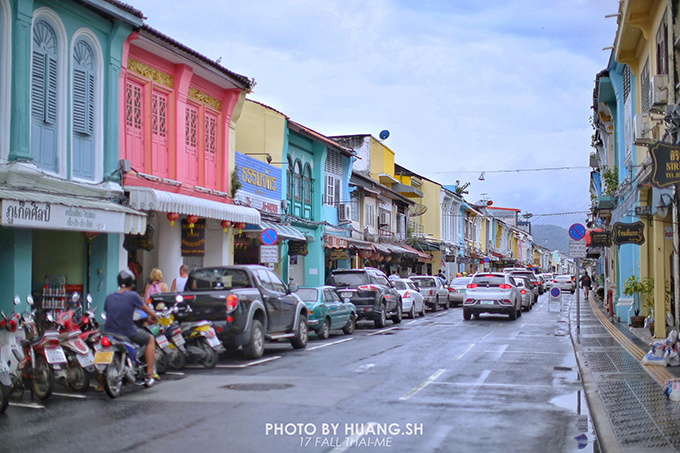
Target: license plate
103,357
487,302
85,360
212,341
55,355
178,340
162,341
343,295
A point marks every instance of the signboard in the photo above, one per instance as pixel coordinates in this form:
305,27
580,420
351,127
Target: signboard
193,239
600,238
339,254
260,184
297,248
577,249
269,236
577,232
140,241
629,233
665,164
463,260
269,254
33,214
555,292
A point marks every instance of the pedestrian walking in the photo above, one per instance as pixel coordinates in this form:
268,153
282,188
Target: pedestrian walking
179,283
155,285
585,284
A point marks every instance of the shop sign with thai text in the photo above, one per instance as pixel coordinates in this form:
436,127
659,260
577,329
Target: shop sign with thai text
260,184
140,241
665,164
297,248
193,239
629,233
339,254
48,216
600,239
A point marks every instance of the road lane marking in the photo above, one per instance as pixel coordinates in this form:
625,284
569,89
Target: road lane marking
415,320
381,331
364,367
69,395
329,344
486,384
438,438
353,440
28,405
174,373
440,314
525,352
461,354
486,335
423,385
470,395
242,365
499,353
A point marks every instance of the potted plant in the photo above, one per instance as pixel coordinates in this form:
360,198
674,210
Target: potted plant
638,288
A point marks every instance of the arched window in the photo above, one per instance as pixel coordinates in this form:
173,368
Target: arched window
289,180
297,183
84,86
44,83
307,184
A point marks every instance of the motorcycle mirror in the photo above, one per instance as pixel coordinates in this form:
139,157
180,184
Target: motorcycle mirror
17,301
160,306
89,301
103,316
49,317
29,299
75,297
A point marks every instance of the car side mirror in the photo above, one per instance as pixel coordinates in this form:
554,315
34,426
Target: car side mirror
293,288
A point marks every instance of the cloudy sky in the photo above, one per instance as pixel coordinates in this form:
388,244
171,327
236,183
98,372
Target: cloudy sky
462,86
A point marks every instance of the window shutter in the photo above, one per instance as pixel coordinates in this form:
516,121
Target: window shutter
80,98
51,101
337,191
38,85
90,104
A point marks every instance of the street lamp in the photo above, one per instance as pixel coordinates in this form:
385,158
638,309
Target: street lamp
665,203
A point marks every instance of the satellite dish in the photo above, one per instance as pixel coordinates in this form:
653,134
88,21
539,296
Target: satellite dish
416,210
384,134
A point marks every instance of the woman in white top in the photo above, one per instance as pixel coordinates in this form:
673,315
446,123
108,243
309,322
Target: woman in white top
179,282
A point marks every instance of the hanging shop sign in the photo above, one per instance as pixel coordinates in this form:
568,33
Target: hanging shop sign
297,248
450,258
665,164
463,260
140,241
59,217
629,233
339,254
599,238
260,184
193,238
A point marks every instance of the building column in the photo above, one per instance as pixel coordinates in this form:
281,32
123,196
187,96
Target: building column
16,249
659,294
216,245
20,116
169,247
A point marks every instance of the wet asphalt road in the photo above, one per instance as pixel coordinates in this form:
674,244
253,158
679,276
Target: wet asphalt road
433,384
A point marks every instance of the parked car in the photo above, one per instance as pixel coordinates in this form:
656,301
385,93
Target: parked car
371,292
326,311
457,289
535,282
412,301
247,304
565,283
547,280
433,291
492,292
524,287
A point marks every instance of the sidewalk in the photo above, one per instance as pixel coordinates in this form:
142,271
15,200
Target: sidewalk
626,399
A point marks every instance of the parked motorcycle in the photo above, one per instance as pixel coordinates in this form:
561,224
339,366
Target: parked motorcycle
162,343
202,346
177,355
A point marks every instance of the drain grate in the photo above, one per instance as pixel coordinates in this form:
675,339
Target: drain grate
257,387
598,342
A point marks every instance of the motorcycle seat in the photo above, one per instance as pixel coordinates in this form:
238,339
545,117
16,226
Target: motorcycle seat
118,337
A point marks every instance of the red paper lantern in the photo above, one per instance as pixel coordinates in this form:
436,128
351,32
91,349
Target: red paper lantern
225,224
172,217
240,226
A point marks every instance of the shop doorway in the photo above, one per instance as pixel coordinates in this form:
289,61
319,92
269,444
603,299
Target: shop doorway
296,269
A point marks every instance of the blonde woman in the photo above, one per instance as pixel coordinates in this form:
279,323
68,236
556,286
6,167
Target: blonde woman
156,285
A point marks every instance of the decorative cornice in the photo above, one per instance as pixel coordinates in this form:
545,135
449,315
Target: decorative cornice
150,73
205,99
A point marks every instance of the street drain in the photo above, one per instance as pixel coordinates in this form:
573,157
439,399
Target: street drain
560,334
257,387
563,368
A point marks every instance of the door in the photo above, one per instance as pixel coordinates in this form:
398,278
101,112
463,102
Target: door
272,301
288,302
296,269
339,311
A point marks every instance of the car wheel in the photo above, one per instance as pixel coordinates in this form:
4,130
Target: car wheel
351,325
466,314
255,347
513,314
396,319
382,319
412,313
422,309
325,330
435,306
519,312
301,337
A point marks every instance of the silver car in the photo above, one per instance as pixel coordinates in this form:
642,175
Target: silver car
434,292
565,283
412,303
492,292
524,287
457,289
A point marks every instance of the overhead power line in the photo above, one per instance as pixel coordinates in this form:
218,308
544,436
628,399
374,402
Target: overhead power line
507,171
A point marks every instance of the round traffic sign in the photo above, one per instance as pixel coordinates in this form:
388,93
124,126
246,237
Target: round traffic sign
555,292
269,236
577,231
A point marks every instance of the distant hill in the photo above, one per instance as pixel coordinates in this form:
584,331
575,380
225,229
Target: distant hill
552,237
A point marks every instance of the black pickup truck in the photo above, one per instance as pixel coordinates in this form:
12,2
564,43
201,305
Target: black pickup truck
247,304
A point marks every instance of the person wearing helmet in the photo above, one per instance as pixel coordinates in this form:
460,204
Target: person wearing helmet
120,307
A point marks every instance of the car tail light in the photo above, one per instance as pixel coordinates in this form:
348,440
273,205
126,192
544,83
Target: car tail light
471,285
232,302
367,288
406,295
504,286
431,292
105,341
218,329
522,291
229,319
451,290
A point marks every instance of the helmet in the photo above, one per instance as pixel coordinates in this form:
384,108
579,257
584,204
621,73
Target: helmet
126,278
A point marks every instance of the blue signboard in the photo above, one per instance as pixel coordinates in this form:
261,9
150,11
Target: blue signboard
269,237
577,231
555,292
260,184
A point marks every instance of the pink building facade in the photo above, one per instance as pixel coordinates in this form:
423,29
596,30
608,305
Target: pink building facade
178,112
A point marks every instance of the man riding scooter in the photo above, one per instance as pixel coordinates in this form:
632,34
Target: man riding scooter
120,307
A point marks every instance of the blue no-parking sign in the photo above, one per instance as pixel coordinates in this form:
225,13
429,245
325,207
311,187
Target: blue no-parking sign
555,292
577,231
269,236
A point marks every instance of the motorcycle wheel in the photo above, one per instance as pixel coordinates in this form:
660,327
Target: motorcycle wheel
43,378
113,376
161,361
78,377
210,359
4,398
178,358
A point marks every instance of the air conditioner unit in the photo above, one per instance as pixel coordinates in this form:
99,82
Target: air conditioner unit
344,212
642,125
659,90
